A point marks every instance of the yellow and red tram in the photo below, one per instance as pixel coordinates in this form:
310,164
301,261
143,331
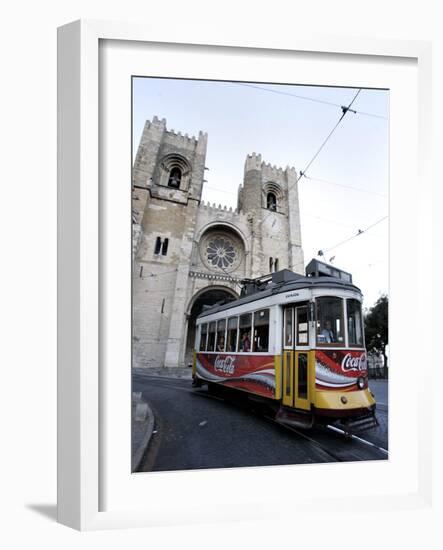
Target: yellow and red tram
296,341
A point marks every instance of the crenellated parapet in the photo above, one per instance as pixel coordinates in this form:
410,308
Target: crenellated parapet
261,178
269,171
213,209
186,141
253,162
162,152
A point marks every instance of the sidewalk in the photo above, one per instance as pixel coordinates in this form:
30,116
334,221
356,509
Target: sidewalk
379,388
143,422
168,372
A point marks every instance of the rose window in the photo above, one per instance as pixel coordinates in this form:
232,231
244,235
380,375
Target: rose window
220,252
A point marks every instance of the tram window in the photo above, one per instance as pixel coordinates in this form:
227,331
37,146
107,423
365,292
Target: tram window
329,321
302,326
211,336
203,336
302,375
261,330
245,332
355,325
288,374
231,340
221,326
288,326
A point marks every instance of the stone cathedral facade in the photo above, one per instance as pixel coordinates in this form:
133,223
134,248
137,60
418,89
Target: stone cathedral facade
187,253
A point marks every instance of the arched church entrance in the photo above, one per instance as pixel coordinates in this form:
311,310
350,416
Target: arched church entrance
206,297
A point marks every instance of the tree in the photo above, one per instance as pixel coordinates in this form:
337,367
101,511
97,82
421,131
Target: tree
376,329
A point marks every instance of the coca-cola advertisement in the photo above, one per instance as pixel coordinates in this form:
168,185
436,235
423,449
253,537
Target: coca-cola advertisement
254,373
339,369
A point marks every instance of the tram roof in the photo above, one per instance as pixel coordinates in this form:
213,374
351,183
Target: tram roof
278,288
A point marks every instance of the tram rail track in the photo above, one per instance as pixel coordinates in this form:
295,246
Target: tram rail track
332,429
357,438
335,456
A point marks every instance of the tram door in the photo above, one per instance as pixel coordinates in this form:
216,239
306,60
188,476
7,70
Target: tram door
295,357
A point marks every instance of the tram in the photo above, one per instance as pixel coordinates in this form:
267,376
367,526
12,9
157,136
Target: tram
294,342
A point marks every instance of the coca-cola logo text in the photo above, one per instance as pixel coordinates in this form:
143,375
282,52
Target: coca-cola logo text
226,365
353,363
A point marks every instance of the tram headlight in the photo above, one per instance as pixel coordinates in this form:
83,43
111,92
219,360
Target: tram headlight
361,383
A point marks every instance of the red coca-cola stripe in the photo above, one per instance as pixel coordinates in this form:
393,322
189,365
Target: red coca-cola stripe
328,361
251,386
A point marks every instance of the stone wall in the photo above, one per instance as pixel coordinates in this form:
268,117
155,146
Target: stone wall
165,286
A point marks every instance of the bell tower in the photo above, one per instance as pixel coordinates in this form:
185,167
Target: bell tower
167,177
269,197
167,182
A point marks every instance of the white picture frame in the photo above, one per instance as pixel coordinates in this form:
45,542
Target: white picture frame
83,395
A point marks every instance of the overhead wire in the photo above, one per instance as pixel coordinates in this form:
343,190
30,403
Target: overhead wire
345,186
306,98
359,232
345,110
311,178
328,137
281,92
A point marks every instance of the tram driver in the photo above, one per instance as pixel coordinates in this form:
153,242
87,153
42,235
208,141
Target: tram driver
327,333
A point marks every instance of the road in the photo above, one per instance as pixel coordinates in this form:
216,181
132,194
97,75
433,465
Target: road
195,430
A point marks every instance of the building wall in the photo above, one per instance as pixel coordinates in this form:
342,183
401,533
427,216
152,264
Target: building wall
209,247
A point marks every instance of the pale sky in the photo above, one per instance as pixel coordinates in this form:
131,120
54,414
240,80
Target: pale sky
347,189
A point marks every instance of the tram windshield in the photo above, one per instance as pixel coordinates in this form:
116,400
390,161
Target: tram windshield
329,321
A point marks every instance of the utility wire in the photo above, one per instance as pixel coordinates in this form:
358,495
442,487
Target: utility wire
233,279
345,110
311,178
281,92
303,214
359,232
220,190
150,275
306,98
345,186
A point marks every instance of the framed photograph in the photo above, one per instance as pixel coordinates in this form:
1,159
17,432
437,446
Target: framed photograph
212,359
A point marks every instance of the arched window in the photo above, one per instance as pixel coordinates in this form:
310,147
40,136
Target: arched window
271,201
161,246
276,264
175,177
165,247
271,264
158,245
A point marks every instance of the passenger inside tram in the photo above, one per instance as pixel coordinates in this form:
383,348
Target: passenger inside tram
245,344
221,344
